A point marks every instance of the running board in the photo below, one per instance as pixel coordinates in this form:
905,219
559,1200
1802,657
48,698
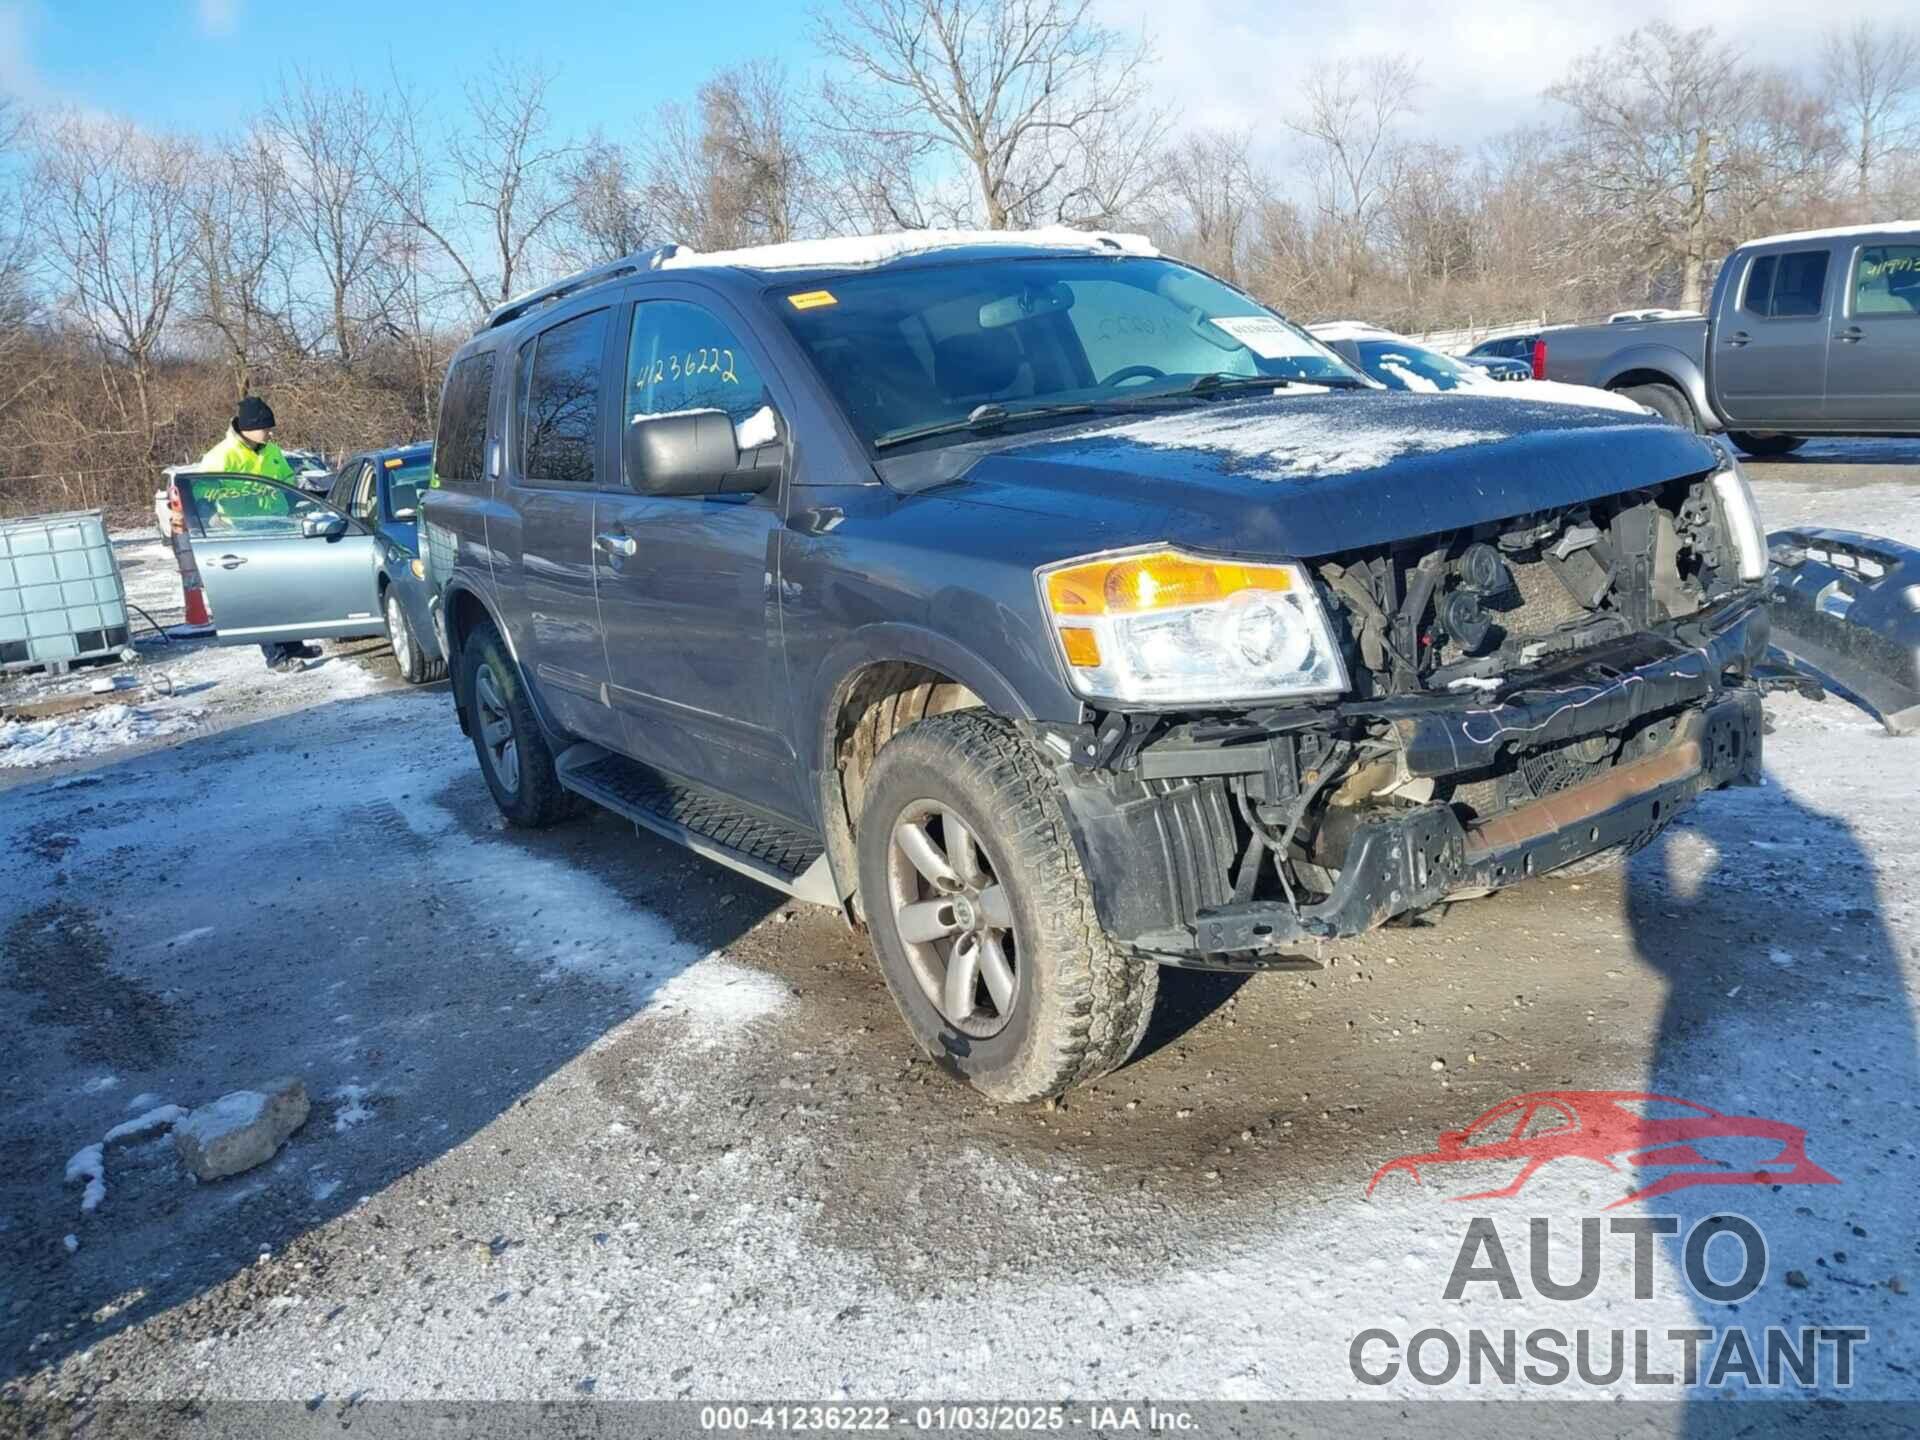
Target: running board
712,825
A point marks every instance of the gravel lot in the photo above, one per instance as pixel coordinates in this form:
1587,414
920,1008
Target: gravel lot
594,1117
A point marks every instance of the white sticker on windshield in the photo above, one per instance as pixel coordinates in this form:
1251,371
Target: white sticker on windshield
1265,336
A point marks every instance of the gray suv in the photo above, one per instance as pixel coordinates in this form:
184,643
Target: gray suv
1060,613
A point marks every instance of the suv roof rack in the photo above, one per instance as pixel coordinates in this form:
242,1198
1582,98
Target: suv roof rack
596,275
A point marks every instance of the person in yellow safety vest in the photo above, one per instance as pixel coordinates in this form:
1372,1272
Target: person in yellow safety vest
246,450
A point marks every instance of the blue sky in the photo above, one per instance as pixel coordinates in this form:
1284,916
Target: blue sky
205,65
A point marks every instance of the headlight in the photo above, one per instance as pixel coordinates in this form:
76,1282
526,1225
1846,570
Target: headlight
1160,627
1743,518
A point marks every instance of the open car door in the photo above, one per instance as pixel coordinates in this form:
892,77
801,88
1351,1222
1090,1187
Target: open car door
278,563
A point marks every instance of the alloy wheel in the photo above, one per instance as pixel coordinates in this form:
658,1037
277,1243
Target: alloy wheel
954,918
398,635
496,729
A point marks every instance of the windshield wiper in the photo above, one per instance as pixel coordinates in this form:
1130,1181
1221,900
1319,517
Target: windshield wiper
1221,383
983,418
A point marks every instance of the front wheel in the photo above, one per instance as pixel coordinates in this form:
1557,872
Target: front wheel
1764,446
414,666
983,920
513,751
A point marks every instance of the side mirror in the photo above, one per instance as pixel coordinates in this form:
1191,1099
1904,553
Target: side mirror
323,525
690,453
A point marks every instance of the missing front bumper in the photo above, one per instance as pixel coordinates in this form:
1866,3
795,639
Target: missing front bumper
1423,854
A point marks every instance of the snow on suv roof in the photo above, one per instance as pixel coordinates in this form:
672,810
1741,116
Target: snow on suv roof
1838,232
856,251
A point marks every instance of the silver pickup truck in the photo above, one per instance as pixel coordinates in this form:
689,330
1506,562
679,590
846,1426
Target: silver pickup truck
1816,333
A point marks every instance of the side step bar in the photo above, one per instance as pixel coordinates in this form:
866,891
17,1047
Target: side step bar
712,825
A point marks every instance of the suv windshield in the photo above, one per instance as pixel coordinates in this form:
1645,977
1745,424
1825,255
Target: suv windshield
911,352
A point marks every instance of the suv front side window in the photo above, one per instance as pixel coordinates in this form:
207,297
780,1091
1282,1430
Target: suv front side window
684,357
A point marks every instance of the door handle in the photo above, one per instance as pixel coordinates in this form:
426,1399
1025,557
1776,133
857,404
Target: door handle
1738,338
232,562
615,544
1852,335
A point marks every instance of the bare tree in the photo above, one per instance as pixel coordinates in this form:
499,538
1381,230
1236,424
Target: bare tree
1657,121
1872,75
17,307
240,271
119,234
1214,196
332,147
1348,125
610,211
1003,87
755,154
492,193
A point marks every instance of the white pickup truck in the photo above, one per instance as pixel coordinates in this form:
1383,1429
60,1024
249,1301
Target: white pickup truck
1816,333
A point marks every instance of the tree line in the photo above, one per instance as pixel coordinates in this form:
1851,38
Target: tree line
333,251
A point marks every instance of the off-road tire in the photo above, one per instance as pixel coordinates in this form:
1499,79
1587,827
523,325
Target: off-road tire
1765,446
539,800
1082,1006
415,669
1666,402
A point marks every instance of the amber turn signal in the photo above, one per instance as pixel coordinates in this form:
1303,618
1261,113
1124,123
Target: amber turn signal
1163,580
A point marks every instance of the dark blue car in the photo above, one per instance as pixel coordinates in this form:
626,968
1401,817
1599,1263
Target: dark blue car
381,489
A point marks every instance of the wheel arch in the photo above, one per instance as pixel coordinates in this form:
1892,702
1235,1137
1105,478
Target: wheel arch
1662,365
874,684
466,609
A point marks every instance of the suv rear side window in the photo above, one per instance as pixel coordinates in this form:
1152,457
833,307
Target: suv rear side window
560,406
1887,281
1786,287
460,452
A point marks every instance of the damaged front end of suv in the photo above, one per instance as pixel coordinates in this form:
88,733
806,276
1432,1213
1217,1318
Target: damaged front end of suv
1463,709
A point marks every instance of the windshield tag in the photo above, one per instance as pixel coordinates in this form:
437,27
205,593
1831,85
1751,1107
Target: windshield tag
812,299
1265,336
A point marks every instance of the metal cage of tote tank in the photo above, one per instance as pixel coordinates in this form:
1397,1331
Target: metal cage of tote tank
61,598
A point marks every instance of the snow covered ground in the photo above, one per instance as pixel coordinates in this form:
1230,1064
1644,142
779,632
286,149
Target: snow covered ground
182,683
593,1116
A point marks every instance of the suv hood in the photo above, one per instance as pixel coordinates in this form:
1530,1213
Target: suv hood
1309,475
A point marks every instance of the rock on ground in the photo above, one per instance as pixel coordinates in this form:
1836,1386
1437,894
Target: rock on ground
240,1130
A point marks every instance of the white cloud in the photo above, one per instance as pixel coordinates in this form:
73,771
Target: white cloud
218,17
18,77
1484,63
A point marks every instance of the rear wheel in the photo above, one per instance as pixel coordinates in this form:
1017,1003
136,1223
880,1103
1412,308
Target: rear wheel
982,918
513,751
414,666
1766,445
1666,402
